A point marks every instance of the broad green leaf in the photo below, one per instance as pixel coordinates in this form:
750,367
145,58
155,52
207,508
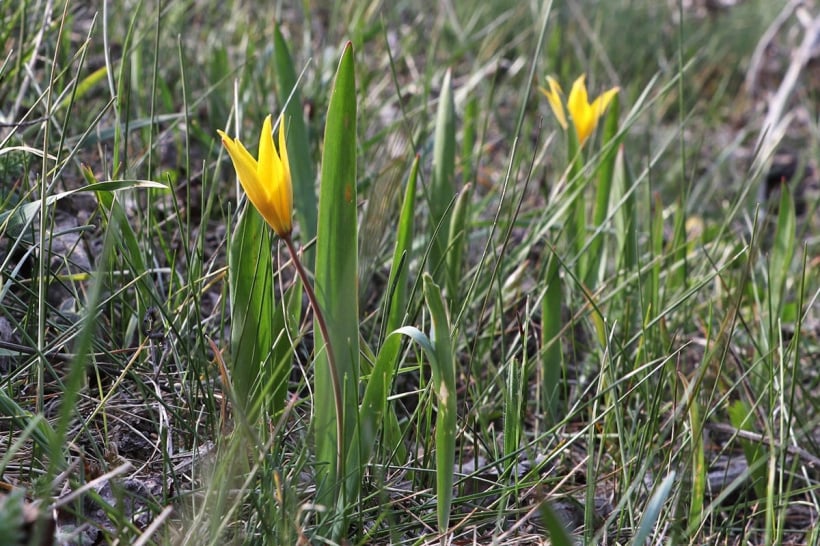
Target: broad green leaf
336,278
677,275
606,172
444,384
439,352
551,353
374,409
301,164
468,139
397,281
374,402
377,391
250,281
653,510
576,224
442,188
652,298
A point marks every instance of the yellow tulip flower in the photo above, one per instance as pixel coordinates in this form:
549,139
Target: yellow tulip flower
267,181
583,114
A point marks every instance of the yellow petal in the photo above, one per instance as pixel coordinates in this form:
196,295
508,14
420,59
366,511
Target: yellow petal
600,104
242,160
554,96
270,175
578,100
245,166
247,171
582,115
266,169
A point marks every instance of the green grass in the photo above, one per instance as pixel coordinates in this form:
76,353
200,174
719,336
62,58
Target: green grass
524,359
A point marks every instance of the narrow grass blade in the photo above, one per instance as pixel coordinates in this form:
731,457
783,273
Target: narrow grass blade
250,280
85,86
624,221
129,248
22,215
444,383
677,275
742,418
116,215
35,426
782,251
652,298
442,189
336,276
699,474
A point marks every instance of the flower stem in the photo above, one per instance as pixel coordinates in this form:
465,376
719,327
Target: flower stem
331,359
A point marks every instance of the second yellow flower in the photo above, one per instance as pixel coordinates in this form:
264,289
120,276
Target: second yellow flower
583,114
